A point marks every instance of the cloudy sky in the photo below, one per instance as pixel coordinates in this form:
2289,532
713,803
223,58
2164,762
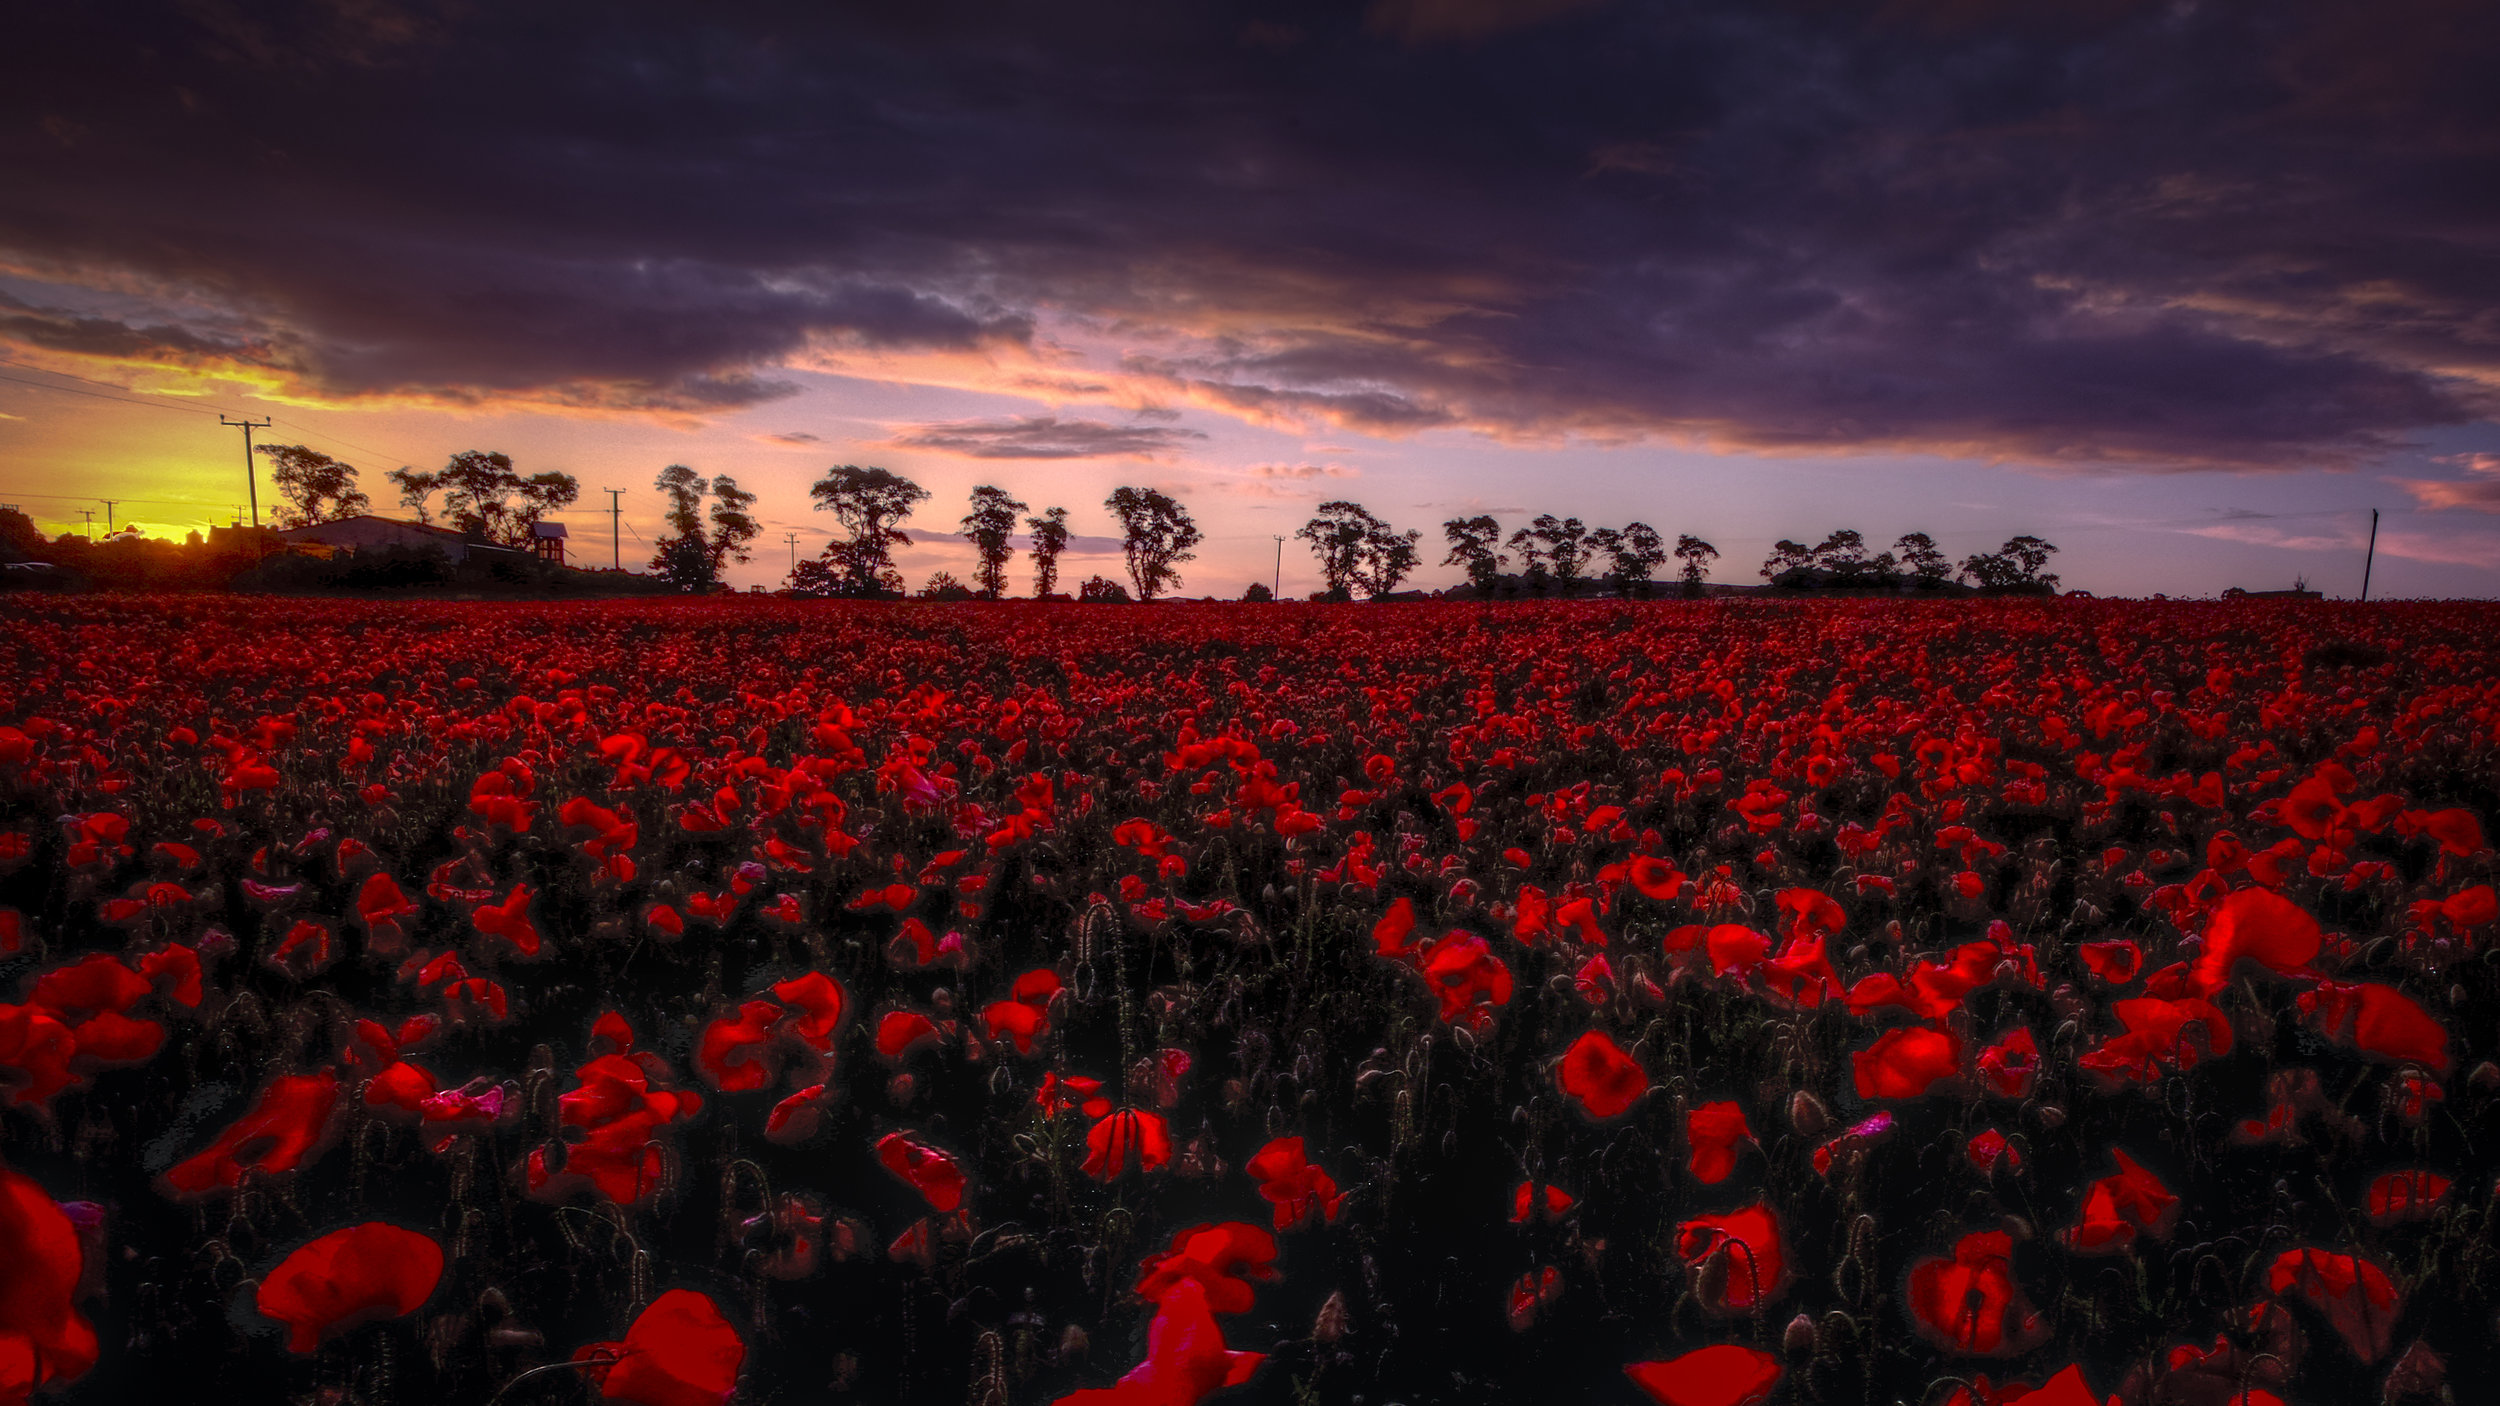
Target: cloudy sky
2185,287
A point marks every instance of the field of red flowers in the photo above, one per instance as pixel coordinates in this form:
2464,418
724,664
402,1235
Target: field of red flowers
2064,1002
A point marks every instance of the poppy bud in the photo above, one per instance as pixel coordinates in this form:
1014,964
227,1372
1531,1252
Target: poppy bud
1798,1341
1807,1114
2049,1116
900,1089
2015,1226
2486,1076
1333,1322
1073,1345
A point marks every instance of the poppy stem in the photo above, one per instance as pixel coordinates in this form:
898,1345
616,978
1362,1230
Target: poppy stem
540,1371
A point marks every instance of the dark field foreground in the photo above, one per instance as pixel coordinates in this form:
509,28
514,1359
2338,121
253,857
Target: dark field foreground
1838,1002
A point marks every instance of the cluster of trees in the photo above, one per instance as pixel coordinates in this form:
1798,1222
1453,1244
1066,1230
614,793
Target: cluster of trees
1157,535
1840,561
1559,554
1358,551
482,494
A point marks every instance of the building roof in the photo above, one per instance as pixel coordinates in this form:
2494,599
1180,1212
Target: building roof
547,529
427,527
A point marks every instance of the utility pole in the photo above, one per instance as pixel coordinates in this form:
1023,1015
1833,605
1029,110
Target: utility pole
794,553
90,512
109,505
251,480
2370,556
616,514
1279,583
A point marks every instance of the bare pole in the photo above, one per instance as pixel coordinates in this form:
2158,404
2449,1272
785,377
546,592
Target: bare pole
90,512
1279,583
794,553
109,505
251,480
2369,556
616,515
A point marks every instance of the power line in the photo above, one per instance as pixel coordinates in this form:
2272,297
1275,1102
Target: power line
118,399
90,498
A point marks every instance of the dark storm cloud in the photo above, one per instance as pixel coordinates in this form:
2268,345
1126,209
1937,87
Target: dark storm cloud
2094,234
1047,437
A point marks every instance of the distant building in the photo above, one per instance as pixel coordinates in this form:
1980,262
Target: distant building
365,531
547,539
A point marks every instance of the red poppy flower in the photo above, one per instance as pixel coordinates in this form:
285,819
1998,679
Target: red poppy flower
1186,1358
1724,1375
44,1340
820,1000
1737,1261
1467,977
1906,1063
2065,1389
2353,1293
1970,1303
1988,1147
734,1055
1287,1178
679,1352
2261,926
348,1277
2394,1197
1528,1199
1222,1258
1600,1077
2115,962
2160,1033
2378,1020
899,1033
932,1173
621,1109
510,921
2010,1066
1530,1292
283,1128
1655,877
2122,1207
1128,1133
1714,1129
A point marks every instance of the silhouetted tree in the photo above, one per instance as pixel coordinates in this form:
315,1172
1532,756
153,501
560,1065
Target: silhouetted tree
693,555
1843,554
1555,547
991,525
868,502
1633,553
1786,556
1157,534
1388,558
943,586
479,491
1101,589
1338,534
1473,542
1258,592
1357,549
1696,555
315,487
1918,556
1050,538
415,486
2016,565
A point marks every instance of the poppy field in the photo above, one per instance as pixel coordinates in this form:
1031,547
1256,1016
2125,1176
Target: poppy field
2064,1001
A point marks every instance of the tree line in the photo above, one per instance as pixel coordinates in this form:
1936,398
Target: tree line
1355,550
1157,534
